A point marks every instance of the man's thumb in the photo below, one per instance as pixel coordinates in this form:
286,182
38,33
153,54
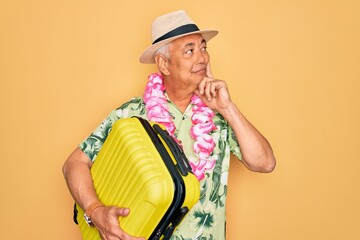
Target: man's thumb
122,211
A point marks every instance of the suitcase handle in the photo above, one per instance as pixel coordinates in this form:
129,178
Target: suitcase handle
183,162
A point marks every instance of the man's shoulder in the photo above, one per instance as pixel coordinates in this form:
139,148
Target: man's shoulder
135,101
134,107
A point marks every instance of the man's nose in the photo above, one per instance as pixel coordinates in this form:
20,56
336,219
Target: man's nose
201,57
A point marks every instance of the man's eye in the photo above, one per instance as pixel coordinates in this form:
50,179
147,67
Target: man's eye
204,49
190,51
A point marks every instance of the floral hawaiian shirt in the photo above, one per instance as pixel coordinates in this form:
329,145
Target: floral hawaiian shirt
206,220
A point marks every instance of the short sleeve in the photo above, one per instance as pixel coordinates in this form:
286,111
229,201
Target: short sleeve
92,145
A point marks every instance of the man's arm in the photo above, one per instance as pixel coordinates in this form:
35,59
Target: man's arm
77,174
76,170
255,149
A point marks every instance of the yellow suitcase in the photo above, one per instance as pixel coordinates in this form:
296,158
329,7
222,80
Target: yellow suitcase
141,167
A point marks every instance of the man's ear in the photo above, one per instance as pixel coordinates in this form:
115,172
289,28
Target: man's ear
162,63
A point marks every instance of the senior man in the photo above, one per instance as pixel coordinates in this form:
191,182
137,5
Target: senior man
196,109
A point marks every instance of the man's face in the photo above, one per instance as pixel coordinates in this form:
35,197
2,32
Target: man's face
188,60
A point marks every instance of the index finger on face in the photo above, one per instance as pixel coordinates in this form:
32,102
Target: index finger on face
208,70
202,85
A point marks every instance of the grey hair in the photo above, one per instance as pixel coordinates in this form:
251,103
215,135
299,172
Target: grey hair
164,51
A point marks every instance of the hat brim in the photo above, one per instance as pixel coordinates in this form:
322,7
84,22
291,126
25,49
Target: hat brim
147,55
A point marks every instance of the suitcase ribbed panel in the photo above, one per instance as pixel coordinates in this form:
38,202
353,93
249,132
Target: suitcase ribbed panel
129,172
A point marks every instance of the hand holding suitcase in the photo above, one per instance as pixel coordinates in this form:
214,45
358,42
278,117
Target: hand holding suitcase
141,167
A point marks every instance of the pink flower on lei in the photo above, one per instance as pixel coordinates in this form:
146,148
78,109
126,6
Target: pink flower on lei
204,143
155,100
157,111
204,146
201,166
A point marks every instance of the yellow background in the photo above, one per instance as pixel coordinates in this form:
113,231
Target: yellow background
293,70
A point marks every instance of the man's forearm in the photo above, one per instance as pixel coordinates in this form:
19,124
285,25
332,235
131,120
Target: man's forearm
256,150
77,174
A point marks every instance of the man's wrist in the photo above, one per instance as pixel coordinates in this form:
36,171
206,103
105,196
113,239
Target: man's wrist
89,210
229,111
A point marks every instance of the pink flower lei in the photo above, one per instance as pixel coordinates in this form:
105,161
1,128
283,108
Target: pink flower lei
202,120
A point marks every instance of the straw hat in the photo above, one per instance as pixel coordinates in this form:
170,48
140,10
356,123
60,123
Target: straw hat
169,27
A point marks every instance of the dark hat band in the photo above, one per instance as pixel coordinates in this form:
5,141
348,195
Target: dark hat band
178,31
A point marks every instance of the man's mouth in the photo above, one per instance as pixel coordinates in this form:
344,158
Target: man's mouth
202,70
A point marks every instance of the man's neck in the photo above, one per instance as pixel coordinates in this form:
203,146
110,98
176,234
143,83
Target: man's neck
180,98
